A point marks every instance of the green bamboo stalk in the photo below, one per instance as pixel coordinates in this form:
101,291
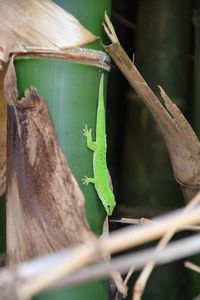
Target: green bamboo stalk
73,94
161,55
71,90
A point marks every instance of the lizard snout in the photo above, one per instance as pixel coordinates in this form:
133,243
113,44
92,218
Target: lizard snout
109,210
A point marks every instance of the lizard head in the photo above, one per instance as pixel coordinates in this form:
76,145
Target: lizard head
109,204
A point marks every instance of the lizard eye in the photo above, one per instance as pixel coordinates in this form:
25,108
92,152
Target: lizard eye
109,209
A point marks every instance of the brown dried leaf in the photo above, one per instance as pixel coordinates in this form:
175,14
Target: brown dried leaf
181,141
45,207
33,25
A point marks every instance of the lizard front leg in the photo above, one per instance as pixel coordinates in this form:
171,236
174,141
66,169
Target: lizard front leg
87,180
88,133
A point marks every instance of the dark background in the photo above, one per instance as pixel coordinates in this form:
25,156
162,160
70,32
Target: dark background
163,36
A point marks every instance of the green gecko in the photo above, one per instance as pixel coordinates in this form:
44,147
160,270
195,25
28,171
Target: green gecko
99,147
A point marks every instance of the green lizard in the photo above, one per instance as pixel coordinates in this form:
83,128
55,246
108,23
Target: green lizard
101,175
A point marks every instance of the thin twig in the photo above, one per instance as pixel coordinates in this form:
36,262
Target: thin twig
132,221
80,257
146,272
115,275
128,276
175,250
192,266
146,221
122,239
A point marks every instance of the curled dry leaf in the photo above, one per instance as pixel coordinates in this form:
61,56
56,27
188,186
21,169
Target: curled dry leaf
45,207
182,143
34,25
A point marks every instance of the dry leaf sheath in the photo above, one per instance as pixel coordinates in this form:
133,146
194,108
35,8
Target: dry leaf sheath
50,28
181,141
45,207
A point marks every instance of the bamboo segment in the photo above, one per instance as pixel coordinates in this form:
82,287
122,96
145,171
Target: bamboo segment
71,87
45,207
73,90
